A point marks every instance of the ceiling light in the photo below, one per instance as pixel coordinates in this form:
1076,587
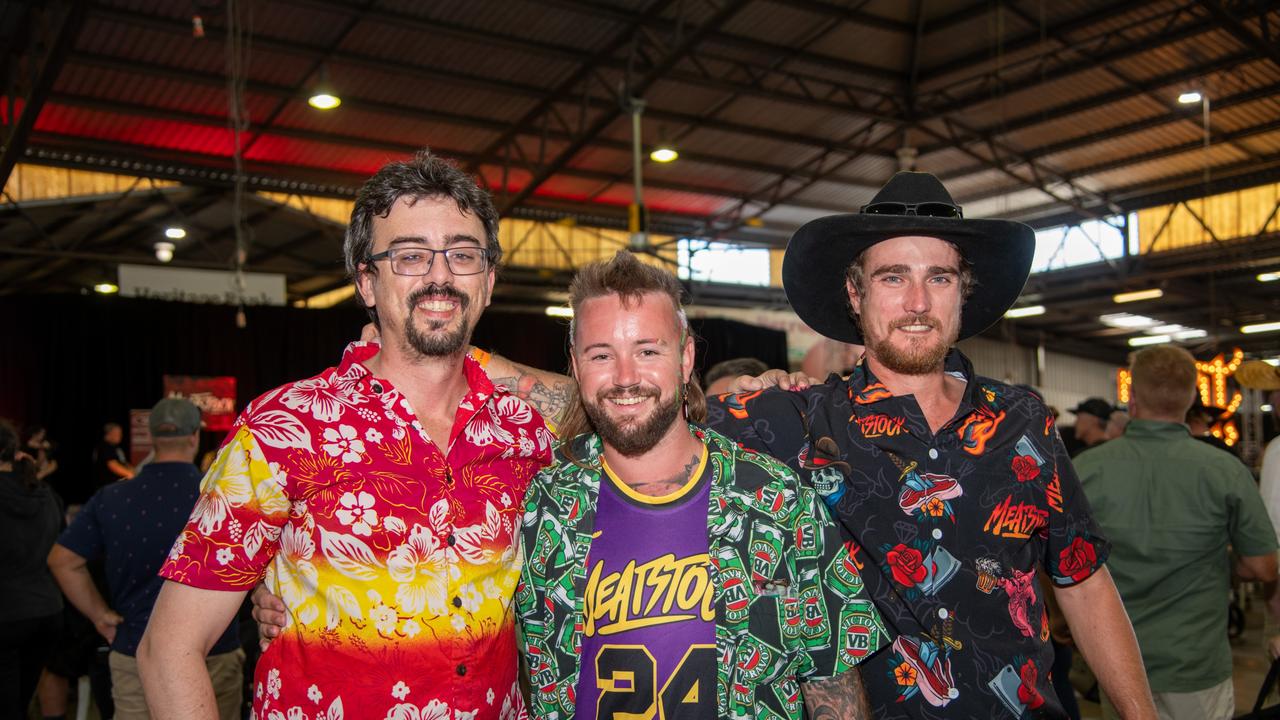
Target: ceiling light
323,96
1260,328
1148,340
1029,311
164,251
559,311
1127,320
1189,334
1189,97
663,154
1265,408
106,288
1137,295
1273,362
175,233
1269,276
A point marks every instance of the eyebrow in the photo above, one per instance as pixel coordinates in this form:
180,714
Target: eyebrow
902,269
642,341
449,240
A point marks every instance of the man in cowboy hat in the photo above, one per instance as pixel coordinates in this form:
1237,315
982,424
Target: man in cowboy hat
953,490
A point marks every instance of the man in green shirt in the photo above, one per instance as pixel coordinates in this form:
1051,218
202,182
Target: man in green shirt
1171,505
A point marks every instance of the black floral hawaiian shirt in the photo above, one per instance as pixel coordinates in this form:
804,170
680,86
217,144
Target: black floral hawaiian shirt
952,530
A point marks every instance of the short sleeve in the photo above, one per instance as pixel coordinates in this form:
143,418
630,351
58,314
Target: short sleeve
830,579
84,535
234,530
1075,548
1251,531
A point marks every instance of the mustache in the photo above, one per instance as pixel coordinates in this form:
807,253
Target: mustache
916,320
636,392
437,291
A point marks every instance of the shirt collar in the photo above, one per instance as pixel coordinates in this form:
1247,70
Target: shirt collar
353,368
866,391
1155,428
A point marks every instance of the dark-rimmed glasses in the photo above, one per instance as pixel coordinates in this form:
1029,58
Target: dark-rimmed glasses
924,209
418,260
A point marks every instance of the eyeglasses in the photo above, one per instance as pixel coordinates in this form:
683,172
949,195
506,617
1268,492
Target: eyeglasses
924,209
418,260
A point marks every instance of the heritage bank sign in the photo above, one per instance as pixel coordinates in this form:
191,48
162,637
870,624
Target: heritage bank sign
200,286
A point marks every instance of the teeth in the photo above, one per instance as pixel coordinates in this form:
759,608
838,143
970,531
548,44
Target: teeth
914,328
436,305
626,401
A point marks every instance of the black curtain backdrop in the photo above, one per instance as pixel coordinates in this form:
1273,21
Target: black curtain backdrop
74,362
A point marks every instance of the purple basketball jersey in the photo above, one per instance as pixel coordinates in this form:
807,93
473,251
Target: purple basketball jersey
649,635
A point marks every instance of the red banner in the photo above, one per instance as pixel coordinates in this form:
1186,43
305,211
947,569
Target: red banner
215,396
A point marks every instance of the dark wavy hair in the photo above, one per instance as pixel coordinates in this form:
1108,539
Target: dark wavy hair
425,175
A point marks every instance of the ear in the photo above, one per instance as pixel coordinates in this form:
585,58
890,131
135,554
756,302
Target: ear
364,284
573,362
686,359
492,277
855,301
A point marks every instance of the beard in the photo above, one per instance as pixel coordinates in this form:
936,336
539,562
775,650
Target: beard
921,356
636,436
431,345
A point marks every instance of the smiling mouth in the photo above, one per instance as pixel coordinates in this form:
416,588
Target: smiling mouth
915,328
438,305
630,400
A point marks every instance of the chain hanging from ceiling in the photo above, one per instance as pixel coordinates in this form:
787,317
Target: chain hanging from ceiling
239,45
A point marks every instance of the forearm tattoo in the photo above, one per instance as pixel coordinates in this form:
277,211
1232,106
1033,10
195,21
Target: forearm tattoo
842,696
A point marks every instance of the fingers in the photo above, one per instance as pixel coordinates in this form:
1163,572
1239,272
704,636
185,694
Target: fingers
746,383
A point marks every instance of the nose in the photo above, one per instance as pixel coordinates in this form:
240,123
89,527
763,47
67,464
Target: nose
439,272
916,300
625,372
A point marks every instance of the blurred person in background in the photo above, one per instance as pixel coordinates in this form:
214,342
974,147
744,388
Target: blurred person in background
30,604
109,461
132,526
721,375
1116,424
1171,506
1092,416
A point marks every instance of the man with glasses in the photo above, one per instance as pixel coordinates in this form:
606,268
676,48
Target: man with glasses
379,499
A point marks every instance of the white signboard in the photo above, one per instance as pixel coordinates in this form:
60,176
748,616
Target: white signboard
200,286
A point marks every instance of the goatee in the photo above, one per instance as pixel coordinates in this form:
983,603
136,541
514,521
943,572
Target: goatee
919,357
432,345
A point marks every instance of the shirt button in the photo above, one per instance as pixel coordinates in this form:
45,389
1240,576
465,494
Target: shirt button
457,602
933,453
376,387
452,540
462,669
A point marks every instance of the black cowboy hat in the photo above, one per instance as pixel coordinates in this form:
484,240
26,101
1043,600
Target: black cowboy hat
911,203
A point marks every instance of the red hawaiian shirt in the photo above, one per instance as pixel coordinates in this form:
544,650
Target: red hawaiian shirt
397,564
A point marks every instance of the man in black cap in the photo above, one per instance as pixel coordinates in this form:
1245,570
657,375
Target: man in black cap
954,490
132,526
1092,417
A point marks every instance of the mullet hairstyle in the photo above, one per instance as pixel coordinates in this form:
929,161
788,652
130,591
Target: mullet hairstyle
425,175
1164,380
630,279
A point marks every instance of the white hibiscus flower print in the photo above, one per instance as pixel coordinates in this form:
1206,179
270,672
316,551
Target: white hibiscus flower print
225,555
325,402
273,683
313,693
400,691
344,442
410,628
418,566
296,576
357,511
373,436
384,619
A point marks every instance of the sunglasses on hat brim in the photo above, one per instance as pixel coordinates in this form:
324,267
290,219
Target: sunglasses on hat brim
924,209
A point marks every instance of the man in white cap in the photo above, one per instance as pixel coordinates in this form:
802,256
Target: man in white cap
955,488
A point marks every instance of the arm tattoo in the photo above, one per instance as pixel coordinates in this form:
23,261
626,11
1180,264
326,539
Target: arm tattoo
842,696
550,399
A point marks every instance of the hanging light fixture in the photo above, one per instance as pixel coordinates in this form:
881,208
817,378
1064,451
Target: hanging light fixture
164,251
323,95
664,151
